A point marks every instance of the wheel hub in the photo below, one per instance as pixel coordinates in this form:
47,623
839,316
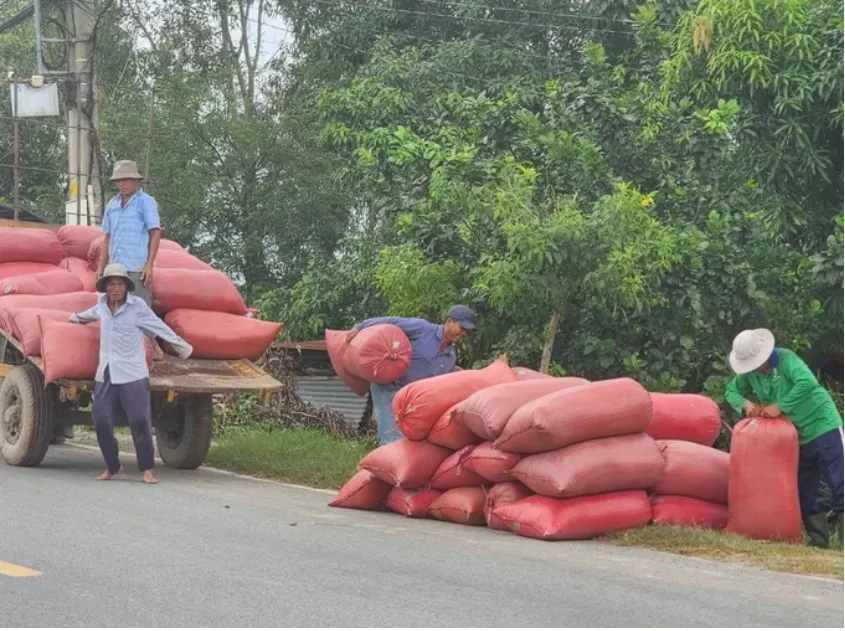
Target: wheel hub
173,434
12,423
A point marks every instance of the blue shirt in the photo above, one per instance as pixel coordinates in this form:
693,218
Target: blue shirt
427,360
129,227
122,338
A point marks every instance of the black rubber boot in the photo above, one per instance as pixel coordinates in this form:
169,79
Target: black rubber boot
817,530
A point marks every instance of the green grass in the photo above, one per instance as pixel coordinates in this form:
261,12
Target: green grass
707,544
301,456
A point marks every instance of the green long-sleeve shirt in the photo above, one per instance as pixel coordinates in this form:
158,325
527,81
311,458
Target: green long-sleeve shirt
792,385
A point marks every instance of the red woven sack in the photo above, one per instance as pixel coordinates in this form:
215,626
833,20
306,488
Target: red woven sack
418,405
74,302
176,259
461,506
203,290
79,268
552,519
573,415
411,502
448,433
26,328
8,270
76,240
678,510
94,251
596,466
168,257
56,281
689,417
763,489
492,464
6,321
405,463
499,495
336,346
694,470
378,354
72,351
451,474
486,412
169,244
29,245
69,351
364,491
524,374
222,335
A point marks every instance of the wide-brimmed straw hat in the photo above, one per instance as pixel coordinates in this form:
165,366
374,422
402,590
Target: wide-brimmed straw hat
125,170
751,349
115,270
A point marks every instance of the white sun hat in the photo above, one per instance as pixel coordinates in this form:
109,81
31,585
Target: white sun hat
751,349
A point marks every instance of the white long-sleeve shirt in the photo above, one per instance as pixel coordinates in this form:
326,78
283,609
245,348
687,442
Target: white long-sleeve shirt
122,338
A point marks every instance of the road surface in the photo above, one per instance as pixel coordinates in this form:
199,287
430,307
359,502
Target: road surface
205,548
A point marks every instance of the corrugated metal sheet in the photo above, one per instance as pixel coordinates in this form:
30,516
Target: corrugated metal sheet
332,393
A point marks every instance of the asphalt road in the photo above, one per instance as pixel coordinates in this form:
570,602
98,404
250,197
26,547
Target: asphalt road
205,548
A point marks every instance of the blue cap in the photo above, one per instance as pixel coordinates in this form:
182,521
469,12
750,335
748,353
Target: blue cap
463,315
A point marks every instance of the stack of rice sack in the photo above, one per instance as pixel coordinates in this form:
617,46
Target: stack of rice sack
418,477
204,307
550,458
47,276
585,456
694,488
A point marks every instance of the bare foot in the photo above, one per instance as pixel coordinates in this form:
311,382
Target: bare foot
148,478
108,475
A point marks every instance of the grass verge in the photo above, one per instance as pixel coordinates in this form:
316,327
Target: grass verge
300,456
314,458
722,546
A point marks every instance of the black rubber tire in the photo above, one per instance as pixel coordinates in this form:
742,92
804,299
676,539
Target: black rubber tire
188,445
26,417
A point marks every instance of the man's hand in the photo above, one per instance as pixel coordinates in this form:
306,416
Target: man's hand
751,409
100,271
351,335
771,411
147,275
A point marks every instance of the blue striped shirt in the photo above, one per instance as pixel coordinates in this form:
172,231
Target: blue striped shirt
129,227
122,337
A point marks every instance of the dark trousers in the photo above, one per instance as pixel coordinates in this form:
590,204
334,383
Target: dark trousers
821,458
124,402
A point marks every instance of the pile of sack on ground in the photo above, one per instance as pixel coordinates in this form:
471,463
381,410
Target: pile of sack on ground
544,457
46,276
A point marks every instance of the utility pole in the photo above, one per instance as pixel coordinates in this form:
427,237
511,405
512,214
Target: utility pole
81,114
16,122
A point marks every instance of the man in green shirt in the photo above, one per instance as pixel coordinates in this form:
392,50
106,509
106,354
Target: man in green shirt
784,386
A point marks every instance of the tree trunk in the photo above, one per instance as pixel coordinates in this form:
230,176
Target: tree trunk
551,332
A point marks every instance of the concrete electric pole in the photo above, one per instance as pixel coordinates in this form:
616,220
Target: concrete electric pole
85,187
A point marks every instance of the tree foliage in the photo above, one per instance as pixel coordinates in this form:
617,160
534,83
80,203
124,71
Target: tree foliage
617,187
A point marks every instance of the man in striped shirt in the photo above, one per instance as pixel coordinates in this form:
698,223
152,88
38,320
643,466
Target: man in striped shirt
133,233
